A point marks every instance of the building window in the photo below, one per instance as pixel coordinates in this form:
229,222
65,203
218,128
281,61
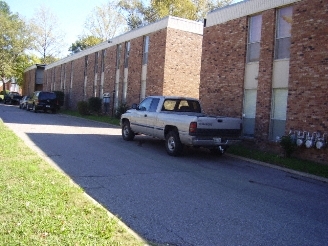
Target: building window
127,54
283,32
118,56
96,62
145,50
85,65
254,38
103,54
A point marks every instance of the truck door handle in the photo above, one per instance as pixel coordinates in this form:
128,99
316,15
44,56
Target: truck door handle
219,120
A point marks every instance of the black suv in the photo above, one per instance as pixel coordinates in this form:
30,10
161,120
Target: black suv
43,100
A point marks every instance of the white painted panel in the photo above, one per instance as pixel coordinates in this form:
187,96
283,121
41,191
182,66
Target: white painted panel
117,81
250,103
144,72
280,73
143,82
279,104
125,84
251,75
102,78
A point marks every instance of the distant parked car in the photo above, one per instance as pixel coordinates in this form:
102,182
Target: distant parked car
23,102
43,100
2,95
12,98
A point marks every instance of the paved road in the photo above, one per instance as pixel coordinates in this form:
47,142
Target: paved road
196,199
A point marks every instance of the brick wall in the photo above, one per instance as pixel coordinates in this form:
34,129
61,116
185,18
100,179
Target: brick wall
77,93
28,85
223,68
134,77
156,61
308,81
182,63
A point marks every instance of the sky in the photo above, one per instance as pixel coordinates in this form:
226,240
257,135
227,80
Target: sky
71,14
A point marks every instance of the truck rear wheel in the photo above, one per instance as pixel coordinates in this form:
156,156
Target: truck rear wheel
127,133
173,144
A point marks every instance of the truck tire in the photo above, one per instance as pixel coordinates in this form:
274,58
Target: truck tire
127,133
173,144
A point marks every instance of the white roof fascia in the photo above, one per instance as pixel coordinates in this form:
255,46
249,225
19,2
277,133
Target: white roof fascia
170,21
241,9
30,68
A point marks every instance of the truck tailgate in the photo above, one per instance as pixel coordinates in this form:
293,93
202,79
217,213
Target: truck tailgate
219,126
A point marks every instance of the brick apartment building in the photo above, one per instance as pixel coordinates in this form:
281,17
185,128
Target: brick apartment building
263,60
267,61
162,58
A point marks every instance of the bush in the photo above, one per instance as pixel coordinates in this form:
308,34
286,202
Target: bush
288,144
122,108
95,104
60,97
83,108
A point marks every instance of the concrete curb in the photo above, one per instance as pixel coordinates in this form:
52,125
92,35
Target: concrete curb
307,175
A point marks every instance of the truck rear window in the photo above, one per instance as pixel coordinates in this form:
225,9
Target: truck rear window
47,96
181,105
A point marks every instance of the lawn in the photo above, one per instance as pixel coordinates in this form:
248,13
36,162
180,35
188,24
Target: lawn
290,163
41,206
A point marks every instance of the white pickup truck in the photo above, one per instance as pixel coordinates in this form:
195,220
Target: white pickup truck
180,121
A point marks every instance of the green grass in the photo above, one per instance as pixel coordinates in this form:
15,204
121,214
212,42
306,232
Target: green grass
101,118
244,151
41,206
291,163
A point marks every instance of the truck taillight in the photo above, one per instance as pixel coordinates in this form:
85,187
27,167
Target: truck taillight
193,127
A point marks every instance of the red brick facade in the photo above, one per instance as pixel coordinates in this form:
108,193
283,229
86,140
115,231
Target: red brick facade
173,66
223,65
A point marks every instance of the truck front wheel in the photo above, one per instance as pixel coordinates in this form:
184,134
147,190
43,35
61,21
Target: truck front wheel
173,144
127,133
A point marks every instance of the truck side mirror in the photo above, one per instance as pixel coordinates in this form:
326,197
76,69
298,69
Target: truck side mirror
134,106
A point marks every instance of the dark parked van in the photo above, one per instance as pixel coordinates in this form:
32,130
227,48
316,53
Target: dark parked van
43,100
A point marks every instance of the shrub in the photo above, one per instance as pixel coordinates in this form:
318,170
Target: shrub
95,104
83,108
60,97
288,145
122,108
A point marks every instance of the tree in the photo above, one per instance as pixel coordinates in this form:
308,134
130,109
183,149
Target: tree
14,40
105,22
138,14
48,38
24,61
83,43
205,6
180,8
